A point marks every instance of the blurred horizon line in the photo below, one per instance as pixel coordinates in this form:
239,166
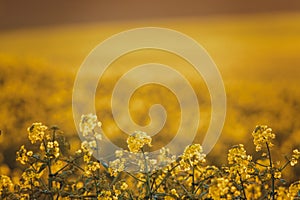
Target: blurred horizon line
34,13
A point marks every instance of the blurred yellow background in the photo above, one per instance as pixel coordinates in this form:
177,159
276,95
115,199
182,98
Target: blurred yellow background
256,48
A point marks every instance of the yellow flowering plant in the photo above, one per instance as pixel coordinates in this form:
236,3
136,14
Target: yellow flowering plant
51,171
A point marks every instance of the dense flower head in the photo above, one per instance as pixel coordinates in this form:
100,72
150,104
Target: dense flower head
237,154
239,162
137,141
192,155
262,135
36,132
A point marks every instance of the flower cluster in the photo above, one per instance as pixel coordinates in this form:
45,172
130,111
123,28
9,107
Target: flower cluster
192,156
5,185
262,135
36,132
51,173
137,141
87,127
23,155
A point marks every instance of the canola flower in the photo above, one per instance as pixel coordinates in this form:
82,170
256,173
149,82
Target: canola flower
36,132
137,141
5,184
295,157
48,174
192,156
23,155
87,125
240,165
262,135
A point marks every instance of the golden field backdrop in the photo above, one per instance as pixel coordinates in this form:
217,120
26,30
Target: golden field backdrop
257,55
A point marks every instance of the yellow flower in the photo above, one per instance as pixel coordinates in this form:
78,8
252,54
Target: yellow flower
116,166
53,149
5,183
262,135
253,191
124,186
239,162
294,190
137,141
192,156
88,123
277,174
219,188
295,157
36,132
22,155
282,193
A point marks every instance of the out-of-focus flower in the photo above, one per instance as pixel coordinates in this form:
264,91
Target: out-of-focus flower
91,167
5,184
137,141
282,193
116,166
253,191
295,157
36,132
124,186
165,157
262,135
294,190
219,188
105,195
192,156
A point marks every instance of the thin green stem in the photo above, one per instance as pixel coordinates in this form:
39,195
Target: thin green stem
243,188
148,184
272,173
193,179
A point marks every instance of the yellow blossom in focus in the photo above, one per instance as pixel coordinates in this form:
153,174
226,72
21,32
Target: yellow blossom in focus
192,156
262,135
137,141
53,149
36,132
